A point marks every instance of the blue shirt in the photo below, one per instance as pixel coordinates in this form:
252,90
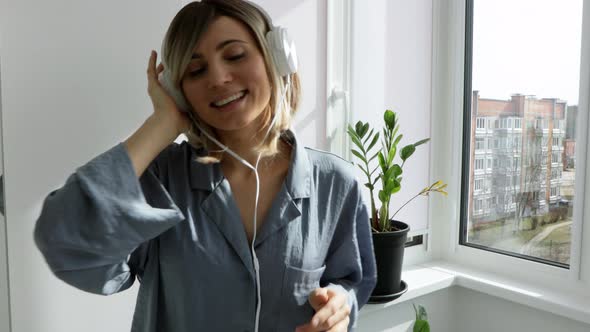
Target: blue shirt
177,229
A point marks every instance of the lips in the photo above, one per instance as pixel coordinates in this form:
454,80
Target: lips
222,102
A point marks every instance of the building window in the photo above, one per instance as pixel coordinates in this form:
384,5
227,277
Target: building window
520,174
479,143
480,123
478,184
478,205
479,164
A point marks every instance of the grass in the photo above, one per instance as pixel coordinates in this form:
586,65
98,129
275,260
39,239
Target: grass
500,235
490,233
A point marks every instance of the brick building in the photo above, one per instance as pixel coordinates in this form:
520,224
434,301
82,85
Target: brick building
517,147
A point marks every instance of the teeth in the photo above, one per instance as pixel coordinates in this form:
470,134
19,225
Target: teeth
229,99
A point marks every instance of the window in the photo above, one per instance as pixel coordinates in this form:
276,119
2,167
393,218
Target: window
480,123
516,143
528,204
478,205
479,164
478,184
479,143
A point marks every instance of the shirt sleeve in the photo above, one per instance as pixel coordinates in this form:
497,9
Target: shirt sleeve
94,231
350,264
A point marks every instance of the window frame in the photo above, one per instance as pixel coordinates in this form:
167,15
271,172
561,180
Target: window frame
449,62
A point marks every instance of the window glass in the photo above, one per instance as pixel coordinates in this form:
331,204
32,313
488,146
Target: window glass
523,82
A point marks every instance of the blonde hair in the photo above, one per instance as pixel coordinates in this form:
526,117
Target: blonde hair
185,31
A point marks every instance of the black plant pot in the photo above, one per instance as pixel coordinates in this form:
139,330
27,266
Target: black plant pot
389,254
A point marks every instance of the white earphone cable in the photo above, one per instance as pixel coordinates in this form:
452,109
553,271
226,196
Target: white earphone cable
255,169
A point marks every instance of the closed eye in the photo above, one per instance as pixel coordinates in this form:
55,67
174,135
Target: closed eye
202,70
236,57
197,72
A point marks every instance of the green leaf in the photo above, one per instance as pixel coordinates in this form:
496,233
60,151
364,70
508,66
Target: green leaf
397,170
397,187
359,155
358,128
374,156
350,131
376,179
388,173
364,129
373,142
407,151
374,170
396,129
391,154
390,186
421,326
368,137
389,118
420,142
397,139
382,161
357,142
382,196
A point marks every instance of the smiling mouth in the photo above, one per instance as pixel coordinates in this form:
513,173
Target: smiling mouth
231,99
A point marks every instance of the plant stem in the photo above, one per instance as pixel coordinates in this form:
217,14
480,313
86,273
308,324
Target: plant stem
406,203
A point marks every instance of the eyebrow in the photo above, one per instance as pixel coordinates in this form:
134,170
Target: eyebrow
219,47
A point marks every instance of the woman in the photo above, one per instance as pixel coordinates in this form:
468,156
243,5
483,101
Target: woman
179,216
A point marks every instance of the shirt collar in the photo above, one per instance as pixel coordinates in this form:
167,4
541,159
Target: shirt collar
298,180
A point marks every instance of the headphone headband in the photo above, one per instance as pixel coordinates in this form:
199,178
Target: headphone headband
280,44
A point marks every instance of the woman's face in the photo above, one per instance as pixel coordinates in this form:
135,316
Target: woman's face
226,81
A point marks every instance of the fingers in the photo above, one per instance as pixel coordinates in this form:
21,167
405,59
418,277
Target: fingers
334,322
337,322
152,64
318,298
332,312
342,326
305,328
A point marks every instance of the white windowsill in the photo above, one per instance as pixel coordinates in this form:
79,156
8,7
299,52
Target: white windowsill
433,276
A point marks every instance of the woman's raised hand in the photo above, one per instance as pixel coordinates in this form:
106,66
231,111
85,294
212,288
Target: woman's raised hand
165,109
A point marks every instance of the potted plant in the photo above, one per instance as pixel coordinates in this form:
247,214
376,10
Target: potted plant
389,235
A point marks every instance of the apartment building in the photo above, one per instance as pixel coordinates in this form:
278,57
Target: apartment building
517,147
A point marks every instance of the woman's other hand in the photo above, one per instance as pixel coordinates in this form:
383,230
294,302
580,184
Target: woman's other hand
332,311
165,108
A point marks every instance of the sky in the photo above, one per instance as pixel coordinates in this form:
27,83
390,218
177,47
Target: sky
530,47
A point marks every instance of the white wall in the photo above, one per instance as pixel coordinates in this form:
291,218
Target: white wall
458,309
4,302
73,85
475,311
391,69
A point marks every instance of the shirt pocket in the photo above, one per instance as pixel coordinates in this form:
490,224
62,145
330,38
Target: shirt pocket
297,285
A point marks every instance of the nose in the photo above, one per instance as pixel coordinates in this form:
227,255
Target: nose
219,75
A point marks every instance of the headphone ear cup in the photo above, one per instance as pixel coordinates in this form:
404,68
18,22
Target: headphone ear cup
283,51
165,80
